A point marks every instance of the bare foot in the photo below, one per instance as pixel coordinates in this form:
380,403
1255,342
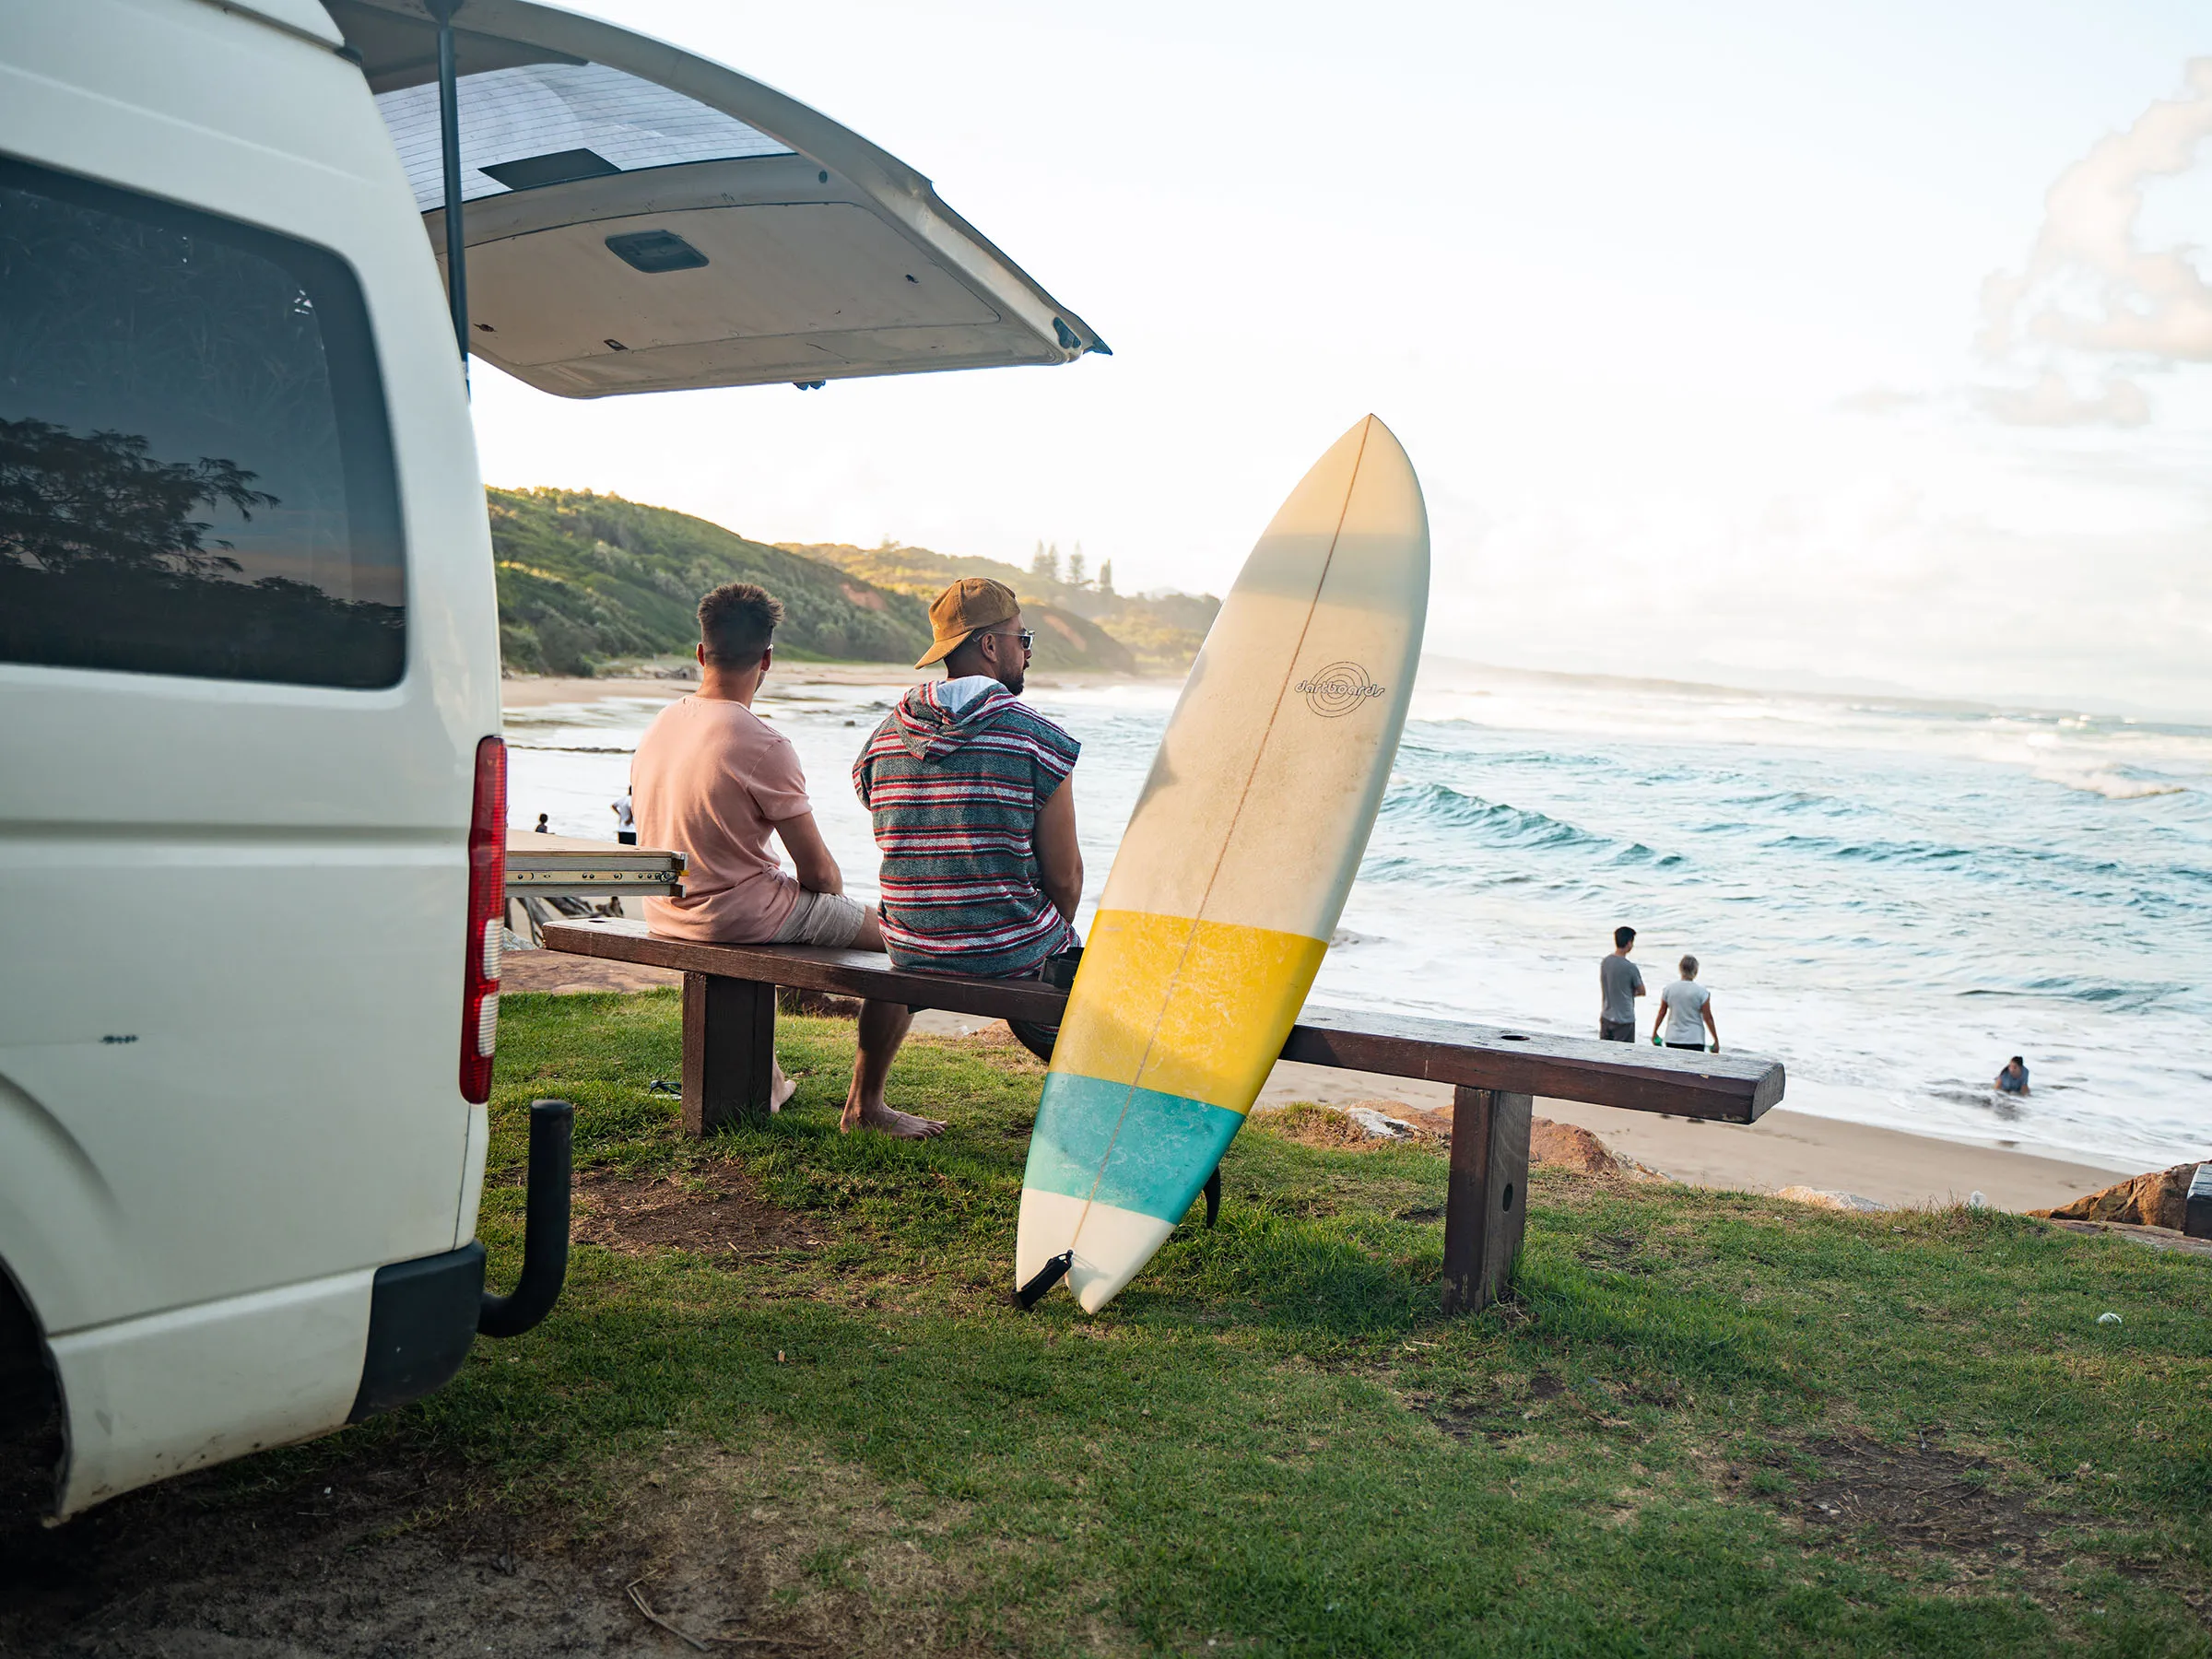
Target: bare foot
780,1088
888,1119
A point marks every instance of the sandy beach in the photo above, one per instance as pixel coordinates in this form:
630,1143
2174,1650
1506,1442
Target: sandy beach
1783,1148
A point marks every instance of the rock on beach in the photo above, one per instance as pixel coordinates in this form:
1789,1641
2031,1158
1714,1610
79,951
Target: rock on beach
2158,1199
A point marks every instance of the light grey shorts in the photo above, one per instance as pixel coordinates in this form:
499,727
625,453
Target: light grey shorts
830,919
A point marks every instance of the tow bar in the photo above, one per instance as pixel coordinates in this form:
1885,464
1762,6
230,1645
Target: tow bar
545,1225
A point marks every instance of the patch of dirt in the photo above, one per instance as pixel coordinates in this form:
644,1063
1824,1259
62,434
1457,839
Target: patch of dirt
1461,1421
1557,1146
712,1210
821,1004
997,1039
2155,1237
562,973
1571,1146
1620,1252
374,1558
1923,1498
1496,1418
1329,1126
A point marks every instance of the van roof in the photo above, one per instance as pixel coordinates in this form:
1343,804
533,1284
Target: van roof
641,220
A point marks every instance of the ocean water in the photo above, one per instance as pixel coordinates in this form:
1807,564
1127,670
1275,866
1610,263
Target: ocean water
1891,897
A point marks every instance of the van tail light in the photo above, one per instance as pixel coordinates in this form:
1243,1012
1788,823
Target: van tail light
487,920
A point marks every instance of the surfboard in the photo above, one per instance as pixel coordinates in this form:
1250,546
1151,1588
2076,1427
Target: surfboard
1233,870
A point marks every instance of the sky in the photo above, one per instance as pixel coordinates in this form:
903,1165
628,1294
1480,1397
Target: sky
1773,344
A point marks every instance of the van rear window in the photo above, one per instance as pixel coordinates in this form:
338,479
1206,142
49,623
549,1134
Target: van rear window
195,465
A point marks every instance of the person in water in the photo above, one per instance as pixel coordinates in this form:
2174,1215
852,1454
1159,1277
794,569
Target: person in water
1682,1006
715,779
970,794
541,826
1619,983
2013,1080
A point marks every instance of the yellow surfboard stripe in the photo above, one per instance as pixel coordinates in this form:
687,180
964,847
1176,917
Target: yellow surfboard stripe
1195,1009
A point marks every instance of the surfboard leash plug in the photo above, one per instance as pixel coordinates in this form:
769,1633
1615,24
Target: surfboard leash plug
1051,1274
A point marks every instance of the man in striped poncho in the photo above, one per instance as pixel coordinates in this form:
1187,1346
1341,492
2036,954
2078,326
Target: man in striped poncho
975,814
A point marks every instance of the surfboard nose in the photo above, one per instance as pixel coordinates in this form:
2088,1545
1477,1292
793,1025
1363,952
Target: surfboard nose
1356,519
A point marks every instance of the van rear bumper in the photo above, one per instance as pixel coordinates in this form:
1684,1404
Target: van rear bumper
423,1318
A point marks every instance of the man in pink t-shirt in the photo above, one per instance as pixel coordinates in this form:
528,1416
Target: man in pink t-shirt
714,780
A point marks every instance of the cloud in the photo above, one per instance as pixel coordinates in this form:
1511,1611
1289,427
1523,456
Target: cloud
1881,400
2053,401
2091,295
1871,580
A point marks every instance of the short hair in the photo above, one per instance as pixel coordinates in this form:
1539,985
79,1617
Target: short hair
737,622
1624,936
1689,967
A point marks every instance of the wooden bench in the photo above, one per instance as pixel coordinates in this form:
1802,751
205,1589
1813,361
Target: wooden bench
730,1030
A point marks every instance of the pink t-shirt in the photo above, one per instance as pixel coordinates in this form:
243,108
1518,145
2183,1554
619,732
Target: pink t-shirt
711,779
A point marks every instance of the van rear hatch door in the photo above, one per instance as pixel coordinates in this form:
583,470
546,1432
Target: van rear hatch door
639,219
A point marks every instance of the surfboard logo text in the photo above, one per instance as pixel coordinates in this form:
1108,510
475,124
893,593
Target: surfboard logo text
1338,689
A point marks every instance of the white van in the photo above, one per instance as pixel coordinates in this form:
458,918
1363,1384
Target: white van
251,782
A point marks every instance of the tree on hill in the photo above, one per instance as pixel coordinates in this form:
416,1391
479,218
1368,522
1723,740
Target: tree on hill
1078,569
1106,577
1066,637
1104,630
1045,565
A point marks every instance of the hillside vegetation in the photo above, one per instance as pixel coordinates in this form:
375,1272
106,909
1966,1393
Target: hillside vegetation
587,579
1160,632
583,578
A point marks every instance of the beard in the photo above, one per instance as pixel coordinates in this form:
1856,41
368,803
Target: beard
1012,679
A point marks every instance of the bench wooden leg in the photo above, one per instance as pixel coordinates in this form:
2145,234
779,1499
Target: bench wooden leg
729,1051
1487,1202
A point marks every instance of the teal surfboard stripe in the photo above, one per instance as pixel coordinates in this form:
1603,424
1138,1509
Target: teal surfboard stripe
1167,1148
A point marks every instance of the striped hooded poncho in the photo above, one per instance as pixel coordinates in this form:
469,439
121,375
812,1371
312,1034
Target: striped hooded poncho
954,777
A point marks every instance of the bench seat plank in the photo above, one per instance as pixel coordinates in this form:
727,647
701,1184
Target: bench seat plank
811,968
1732,1088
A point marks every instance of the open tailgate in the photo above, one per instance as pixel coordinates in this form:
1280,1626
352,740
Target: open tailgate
639,219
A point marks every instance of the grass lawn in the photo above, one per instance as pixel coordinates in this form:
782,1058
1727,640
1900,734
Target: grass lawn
1706,1423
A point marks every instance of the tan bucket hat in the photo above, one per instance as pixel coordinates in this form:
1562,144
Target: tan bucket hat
969,603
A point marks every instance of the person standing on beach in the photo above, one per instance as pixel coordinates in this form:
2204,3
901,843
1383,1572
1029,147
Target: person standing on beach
626,822
969,791
1682,1006
714,780
1619,983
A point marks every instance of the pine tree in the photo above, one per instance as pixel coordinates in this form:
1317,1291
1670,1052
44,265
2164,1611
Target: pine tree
1077,566
1045,566
1106,576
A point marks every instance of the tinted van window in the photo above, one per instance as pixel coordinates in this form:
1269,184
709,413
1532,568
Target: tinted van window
196,468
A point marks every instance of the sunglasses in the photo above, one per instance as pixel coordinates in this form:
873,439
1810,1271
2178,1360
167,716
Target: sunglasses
1026,636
